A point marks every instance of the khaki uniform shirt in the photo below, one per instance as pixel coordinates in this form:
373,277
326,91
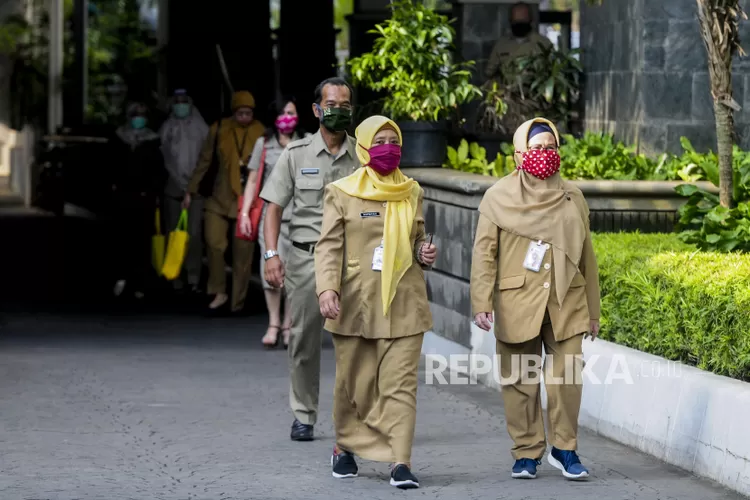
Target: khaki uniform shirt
352,230
223,199
509,48
304,168
519,297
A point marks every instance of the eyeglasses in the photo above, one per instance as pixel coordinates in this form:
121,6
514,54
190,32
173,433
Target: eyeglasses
543,148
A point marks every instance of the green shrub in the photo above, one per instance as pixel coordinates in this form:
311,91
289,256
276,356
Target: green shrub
662,296
472,158
599,156
707,224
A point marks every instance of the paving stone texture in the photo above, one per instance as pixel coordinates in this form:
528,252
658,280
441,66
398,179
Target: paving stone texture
159,406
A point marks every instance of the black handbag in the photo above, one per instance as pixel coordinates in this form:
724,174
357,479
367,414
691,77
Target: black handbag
206,186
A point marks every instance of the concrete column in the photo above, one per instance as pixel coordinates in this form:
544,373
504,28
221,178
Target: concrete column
55,98
76,115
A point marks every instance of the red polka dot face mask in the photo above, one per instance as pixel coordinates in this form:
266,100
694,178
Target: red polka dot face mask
540,163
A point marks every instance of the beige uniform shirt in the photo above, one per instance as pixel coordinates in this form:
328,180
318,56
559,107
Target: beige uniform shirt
303,170
352,230
509,48
519,297
223,200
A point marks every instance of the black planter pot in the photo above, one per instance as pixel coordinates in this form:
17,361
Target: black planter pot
425,144
490,142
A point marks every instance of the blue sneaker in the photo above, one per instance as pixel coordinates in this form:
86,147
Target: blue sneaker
569,463
525,468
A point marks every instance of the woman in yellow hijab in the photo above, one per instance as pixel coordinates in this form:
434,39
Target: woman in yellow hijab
369,269
535,274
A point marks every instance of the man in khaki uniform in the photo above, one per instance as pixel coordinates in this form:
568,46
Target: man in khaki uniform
300,176
534,266
523,42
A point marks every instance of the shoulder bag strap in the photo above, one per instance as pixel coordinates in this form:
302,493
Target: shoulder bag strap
216,139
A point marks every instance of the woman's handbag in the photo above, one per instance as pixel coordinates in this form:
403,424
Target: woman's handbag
157,245
176,248
206,186
256,208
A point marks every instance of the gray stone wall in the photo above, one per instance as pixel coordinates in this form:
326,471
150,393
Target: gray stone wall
646,75
481,25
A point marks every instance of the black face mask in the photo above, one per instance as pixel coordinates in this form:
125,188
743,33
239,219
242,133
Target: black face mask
520,30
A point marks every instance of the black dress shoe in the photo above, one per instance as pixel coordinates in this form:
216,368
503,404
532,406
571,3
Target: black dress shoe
301,432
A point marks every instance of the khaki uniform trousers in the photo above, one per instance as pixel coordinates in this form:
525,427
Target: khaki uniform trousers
375,396
522,399
306,335
217,229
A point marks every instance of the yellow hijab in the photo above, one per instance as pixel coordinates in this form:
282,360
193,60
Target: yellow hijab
401,194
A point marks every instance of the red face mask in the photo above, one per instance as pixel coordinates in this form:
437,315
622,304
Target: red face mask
384,158
540,163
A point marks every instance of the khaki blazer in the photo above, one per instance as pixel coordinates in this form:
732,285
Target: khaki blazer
352,229
519,297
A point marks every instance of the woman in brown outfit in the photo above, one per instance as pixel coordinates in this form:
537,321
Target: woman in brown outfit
371,287
234,146
534,266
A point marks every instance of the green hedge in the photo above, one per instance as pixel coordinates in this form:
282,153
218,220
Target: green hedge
664,297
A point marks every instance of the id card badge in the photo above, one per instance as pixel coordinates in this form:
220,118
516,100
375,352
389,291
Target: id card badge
377,258
534,256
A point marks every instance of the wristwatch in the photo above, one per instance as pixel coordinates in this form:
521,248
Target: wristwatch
270,254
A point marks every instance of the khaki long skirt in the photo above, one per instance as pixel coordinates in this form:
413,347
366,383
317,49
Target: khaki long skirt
375,396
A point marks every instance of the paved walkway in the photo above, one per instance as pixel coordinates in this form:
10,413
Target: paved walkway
175,407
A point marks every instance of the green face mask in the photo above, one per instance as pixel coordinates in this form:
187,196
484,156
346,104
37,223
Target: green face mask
335,119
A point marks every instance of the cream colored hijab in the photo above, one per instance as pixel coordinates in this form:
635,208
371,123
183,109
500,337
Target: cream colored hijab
550,210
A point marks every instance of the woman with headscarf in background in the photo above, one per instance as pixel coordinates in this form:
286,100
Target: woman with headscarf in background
138,181
182,138
268,149
234,139
534,266
371,288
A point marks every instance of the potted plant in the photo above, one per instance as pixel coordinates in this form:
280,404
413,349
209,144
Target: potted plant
489,130
545,83
412,65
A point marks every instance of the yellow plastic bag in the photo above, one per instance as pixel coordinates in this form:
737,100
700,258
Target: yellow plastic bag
176,249
157,245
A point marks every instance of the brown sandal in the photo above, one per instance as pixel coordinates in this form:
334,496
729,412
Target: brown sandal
271,345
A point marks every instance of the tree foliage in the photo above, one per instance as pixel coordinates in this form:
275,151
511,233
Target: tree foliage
412,63
121,54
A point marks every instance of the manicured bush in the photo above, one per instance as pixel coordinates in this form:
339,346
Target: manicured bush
663,296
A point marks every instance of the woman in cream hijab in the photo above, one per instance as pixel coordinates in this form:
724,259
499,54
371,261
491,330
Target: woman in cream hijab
370,281
534,267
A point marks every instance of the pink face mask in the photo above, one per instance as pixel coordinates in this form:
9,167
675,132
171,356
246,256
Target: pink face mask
384,158
286,123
